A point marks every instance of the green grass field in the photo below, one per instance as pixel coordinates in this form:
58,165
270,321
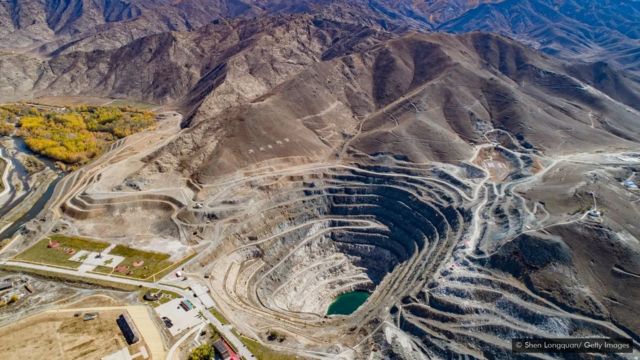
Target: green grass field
153,262
40,253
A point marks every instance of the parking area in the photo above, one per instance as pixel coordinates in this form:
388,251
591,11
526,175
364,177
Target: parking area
179,315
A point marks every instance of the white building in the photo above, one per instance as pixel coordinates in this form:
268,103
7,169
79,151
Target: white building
202,293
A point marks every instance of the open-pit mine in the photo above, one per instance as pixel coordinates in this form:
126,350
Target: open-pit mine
455,258
318,179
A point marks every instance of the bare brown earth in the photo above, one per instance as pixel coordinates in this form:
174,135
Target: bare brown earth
466,259
425,97
319,157
63,336
72,25
603,256
496,164
563,28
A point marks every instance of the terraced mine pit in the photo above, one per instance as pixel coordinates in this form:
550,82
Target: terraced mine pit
116,217
329,231
452,259
428,249
284,247
347,179
428,243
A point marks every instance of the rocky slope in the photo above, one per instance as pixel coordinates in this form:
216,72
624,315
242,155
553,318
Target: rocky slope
44,40
585,30
418,87
93,24
81,24
351,150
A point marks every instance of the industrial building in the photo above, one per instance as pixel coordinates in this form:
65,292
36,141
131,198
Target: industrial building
128,329
178,313
221,349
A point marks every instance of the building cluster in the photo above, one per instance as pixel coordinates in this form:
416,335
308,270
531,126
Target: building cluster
202,293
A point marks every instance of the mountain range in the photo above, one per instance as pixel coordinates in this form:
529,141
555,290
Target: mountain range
227,65
391,105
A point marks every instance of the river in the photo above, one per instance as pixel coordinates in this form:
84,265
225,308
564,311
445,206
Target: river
22,173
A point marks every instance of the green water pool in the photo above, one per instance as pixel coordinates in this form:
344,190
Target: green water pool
347,303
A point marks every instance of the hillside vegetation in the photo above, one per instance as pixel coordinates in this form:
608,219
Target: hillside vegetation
73,135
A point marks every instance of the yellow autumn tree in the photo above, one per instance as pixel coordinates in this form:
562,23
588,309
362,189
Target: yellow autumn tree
73,135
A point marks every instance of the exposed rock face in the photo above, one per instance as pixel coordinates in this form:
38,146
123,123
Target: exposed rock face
82,24
584,30
331,230
284,70
328,147
576,29
370,232
419,87
607,263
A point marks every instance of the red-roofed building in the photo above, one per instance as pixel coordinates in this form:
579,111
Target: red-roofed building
224,350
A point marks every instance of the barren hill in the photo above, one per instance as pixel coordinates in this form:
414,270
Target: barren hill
584,30
477,184
83,23
253,80
421,96
46,41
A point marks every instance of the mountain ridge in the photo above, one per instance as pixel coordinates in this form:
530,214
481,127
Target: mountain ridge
452,158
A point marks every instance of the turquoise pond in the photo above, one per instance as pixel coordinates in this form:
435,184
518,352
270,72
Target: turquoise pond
347,303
